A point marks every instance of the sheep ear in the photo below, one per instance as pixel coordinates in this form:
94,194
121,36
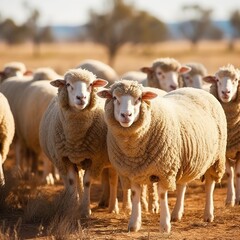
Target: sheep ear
105,94
149,95
28,73
147,70
210,79
58,83
184,69
2,75
99,83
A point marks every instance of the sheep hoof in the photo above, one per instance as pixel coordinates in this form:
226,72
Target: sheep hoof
176,217
85,214
208,218
230,203
134,227
165,228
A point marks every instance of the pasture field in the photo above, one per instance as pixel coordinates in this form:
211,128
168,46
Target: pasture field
29,210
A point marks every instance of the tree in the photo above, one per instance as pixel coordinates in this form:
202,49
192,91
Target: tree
235,23
199,26
121,24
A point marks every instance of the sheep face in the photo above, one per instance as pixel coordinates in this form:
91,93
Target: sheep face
127,106
194,81
167,80
227,80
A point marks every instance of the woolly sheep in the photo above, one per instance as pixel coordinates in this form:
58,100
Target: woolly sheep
140,147
73,133
28,100
12,69
45,73
6,132
164,73
138,76
100,69
226,88
194,77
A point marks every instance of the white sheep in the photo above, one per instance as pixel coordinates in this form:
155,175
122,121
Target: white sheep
100,69
170,140
164,73
226,88
7,129
138,76
13,69
28,99
194,77
45,73
73,133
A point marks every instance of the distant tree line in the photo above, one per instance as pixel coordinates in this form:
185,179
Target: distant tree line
122,23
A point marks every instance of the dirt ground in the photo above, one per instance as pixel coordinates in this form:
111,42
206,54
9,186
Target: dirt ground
24,216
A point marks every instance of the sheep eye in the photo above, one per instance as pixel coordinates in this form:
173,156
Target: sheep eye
90,84
68,84
187,77
159,73
114,98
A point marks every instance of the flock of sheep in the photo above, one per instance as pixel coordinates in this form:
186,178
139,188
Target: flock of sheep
156,130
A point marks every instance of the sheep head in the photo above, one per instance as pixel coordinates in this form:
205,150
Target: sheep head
226,80
127,97
166,72
194,77
79,84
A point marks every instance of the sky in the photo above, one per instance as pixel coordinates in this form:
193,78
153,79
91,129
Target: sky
76,12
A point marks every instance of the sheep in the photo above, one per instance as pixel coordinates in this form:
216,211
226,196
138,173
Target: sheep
226,88
193,78
12,69
164,73
100,69
28,99
170,139
73,134
7,129
45,73
136,76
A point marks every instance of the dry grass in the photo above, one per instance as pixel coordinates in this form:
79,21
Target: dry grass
62,56
29,210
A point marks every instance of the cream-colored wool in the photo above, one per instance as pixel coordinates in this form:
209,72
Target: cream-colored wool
7,127
231,110
196,69
81,135
166,64
100,69
177,137
138,76
28,100
45,73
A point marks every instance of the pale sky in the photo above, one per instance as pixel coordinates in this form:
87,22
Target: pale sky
75,12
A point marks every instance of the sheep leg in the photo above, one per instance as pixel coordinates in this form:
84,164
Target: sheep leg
47,166
2,179
230,201
178,210
104,201
209,207
126,189
113,180
165,225
153,204
136,216
85,205
237,170
144,201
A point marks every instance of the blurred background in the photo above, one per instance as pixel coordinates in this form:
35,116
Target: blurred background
126,34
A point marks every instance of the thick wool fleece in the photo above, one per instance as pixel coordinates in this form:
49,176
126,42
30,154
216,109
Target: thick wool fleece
166,64
232,110
177,138
76,135
7,127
